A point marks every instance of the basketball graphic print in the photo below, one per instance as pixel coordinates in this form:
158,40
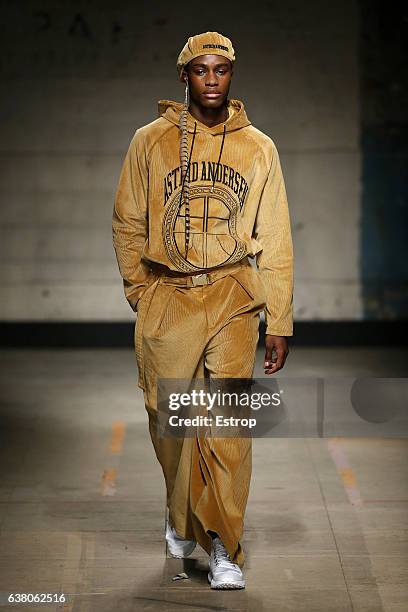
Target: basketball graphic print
213,223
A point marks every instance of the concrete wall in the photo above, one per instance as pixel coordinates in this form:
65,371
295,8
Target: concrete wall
384,140
79,81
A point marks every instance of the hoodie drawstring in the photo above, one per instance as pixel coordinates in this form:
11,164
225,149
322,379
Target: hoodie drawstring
219,159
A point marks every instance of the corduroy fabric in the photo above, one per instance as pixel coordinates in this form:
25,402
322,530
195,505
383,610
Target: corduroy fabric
201,332
206,43
238,207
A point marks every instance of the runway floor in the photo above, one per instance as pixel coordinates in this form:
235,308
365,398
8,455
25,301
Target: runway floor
82,497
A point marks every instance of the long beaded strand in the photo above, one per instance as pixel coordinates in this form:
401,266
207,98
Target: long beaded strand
185,169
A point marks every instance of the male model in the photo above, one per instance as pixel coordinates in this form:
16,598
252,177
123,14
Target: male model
201,190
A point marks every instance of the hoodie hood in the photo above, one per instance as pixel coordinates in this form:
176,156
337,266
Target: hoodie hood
171,110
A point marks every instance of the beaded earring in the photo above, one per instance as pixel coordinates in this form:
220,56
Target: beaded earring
187,95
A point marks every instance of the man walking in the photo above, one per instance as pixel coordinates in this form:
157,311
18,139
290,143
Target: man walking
201,190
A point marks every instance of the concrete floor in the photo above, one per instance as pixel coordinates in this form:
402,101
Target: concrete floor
82,497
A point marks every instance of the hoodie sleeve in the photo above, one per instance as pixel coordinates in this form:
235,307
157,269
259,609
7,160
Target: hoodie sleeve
275,260
129,221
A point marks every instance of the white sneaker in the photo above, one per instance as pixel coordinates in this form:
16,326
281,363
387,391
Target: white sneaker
178,547
223,573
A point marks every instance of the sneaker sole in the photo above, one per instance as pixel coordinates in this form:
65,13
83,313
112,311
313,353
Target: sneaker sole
240,584
180,555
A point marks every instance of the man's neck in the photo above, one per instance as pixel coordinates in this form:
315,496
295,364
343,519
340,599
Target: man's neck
209,116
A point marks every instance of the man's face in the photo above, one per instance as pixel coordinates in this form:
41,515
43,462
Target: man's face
208,75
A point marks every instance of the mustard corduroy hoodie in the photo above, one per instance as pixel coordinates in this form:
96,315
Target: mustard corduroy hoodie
238,206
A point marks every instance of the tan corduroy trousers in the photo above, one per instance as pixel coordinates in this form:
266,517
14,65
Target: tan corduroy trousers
196,332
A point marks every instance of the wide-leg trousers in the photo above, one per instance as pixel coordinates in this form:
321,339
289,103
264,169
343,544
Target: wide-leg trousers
197,332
